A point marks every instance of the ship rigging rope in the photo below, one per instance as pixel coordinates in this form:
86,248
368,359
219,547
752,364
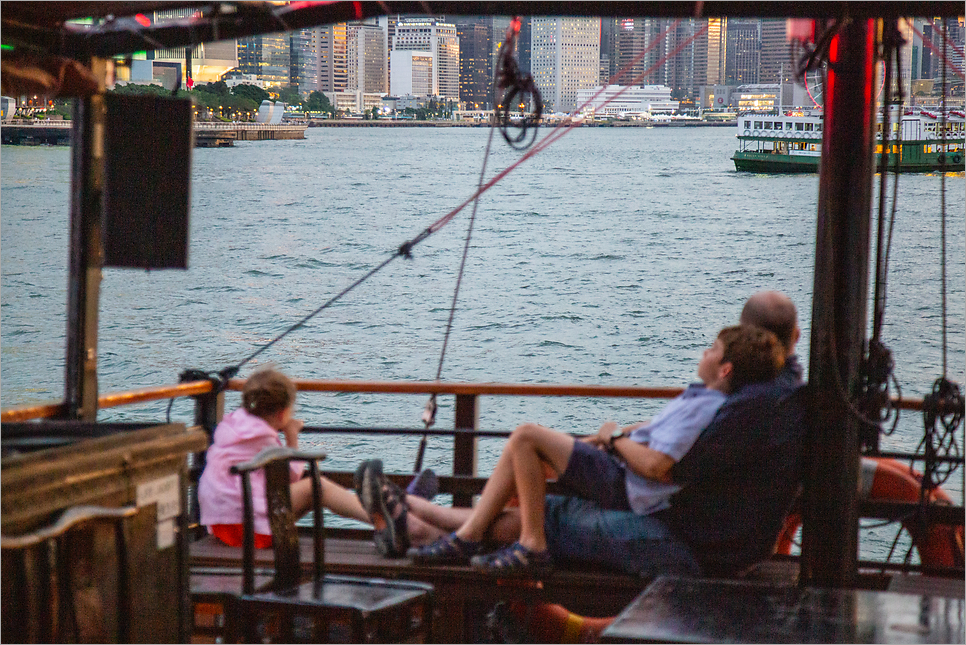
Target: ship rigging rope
508,77
943,408
220,378
878,368
861,415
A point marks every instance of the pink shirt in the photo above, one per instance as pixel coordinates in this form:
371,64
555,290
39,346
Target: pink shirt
239,437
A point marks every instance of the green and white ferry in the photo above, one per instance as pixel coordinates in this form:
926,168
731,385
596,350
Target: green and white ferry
792,141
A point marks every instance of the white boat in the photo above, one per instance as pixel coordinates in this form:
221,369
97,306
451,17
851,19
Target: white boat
792,141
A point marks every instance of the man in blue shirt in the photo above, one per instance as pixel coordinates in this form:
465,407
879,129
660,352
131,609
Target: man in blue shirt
742,474
735,483
633,479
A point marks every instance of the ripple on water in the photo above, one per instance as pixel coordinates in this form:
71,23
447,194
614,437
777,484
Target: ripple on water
604,261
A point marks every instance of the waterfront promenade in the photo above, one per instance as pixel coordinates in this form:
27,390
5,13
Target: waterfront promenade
207,134
412,123
220,135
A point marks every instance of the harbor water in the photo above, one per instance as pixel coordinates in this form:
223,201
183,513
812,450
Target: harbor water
611,258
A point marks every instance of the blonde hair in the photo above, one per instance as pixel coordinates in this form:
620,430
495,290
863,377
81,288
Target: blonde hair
267,391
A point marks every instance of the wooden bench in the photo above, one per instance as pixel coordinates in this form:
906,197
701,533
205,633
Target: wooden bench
463,594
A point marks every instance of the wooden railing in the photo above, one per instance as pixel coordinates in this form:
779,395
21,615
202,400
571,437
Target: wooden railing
465,431
464,481
195,388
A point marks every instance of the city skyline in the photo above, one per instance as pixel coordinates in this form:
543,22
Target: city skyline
352,62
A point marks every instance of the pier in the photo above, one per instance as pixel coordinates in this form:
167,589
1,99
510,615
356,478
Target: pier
51,133
207,135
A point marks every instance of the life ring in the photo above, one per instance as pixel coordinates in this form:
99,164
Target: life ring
552,623
756,133
956,158
939,545
747,133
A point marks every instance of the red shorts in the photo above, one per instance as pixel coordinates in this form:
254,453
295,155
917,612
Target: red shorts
233,535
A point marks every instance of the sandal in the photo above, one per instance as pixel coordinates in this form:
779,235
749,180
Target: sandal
515,560
448,549
381,498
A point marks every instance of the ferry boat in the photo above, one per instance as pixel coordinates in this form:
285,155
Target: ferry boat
67,578
791,141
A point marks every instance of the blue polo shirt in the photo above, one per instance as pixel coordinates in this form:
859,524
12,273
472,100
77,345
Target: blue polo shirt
672,432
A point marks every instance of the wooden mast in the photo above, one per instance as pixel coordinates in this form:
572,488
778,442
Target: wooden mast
830,506
86,251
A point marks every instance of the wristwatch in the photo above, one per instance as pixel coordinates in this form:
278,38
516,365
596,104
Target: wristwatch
617,434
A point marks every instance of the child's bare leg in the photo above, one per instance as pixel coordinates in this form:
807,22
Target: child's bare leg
530,444
446,518
421,532
337,499
498,490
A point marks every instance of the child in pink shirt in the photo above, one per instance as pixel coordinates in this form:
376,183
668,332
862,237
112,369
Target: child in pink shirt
268,402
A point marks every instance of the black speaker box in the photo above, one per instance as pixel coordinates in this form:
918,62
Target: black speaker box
147,181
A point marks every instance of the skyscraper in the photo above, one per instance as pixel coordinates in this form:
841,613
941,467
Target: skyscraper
630,41
924,62
565,57
439,38
607,28
268,57
208,60
710,54
366,58
476,74
333,63
743,54
304,64
776,65
681,68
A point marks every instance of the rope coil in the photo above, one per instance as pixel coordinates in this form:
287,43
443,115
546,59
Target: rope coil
516,88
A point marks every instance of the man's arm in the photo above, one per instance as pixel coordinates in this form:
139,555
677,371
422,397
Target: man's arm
648,463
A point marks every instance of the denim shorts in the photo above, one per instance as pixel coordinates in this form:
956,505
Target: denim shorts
595,475
580,530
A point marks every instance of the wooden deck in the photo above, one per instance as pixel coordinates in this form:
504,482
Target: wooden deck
463,595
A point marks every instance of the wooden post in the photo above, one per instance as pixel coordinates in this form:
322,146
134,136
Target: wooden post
86,252
830,504
209,409
465,442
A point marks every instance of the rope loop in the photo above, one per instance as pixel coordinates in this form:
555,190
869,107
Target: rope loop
942,415
516,89
219,380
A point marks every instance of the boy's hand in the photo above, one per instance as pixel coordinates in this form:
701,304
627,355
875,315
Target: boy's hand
605,432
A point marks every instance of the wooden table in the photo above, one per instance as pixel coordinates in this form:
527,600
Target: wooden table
683,610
